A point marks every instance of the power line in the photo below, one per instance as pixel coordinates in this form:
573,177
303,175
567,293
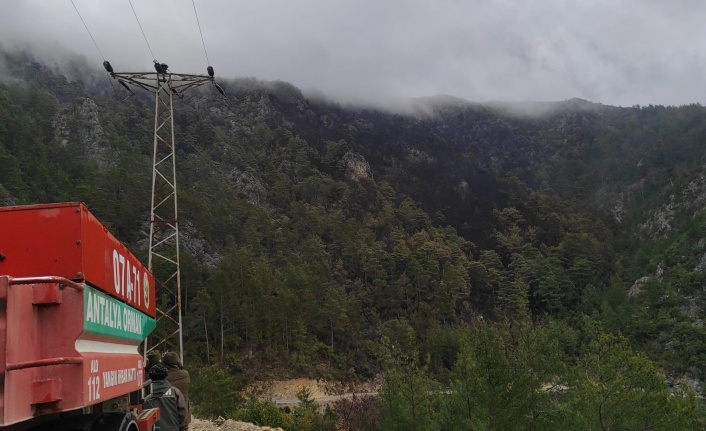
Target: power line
94,42
89,31
143,32
199,24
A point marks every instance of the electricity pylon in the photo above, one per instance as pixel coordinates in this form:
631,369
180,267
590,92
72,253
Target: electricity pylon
163,259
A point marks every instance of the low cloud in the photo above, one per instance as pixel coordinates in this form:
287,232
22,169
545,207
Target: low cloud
620,52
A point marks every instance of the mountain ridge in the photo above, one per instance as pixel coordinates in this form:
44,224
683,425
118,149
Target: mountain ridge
314,229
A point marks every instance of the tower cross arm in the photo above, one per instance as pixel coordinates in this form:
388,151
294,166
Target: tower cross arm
152,81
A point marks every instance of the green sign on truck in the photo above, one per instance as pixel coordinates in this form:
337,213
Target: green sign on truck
106,316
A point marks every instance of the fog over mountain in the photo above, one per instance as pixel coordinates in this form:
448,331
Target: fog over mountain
620,52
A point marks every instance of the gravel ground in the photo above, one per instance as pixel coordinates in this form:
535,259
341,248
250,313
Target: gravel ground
221,424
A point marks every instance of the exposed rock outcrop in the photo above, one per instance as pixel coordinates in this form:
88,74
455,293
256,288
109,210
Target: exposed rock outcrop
91,136
636,288
195,245
254,187
688,202
357,168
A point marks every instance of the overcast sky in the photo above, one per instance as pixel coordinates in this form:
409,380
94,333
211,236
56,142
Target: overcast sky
619,52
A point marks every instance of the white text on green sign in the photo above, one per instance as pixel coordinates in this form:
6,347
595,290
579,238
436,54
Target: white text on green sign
106,316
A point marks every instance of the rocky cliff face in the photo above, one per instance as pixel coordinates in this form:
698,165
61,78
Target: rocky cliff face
683,202
82,121
357,168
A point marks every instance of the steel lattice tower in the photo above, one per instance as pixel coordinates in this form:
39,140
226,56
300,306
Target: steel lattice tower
163,260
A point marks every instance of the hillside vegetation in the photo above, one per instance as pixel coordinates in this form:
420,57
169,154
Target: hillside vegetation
539,266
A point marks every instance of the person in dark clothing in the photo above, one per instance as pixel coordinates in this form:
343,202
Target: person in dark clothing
153,357
170,400
178,376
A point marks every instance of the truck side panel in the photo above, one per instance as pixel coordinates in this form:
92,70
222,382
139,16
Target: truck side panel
41,361
65,240
55,360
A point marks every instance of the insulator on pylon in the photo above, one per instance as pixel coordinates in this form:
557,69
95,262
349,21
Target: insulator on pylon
220,90
160,68
210,71
107,66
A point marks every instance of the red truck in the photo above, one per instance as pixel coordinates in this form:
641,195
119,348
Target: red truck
75,304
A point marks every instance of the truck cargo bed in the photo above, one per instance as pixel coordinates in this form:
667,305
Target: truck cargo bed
74,306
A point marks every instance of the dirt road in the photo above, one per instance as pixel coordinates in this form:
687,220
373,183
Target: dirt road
325,399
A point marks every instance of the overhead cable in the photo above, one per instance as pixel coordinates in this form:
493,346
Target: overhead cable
89,31
94,41
143,32
202,41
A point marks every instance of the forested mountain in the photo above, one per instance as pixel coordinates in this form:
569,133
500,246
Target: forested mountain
339,242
